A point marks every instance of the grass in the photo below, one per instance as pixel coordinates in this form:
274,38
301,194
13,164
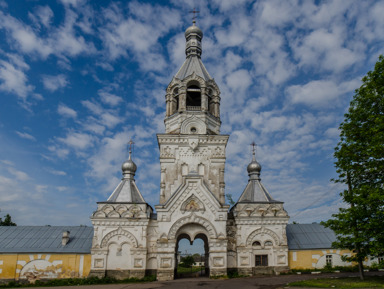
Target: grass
78,281
182,270
348,282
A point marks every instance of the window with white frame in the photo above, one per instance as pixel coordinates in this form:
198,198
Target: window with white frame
328,260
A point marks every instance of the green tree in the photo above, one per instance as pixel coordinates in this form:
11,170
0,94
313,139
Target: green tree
187,261
7,221
360,165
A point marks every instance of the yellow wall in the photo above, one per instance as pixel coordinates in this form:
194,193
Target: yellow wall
312,259
43,266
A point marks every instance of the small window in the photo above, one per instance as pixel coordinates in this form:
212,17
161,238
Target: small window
256,243
193,130
328,260
268,243
261,260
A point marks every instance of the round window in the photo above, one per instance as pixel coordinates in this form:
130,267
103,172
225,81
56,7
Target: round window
193,129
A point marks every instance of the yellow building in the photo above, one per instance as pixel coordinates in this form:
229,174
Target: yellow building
310,247
44,252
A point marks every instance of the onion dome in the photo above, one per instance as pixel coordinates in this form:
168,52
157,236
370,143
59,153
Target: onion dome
194,30
129,167
254,167
193,36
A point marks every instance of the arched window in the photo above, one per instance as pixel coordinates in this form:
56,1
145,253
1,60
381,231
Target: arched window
268,243
256,243
193,97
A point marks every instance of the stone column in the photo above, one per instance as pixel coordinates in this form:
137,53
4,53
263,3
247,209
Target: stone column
182,99
168,105
204,100
221,186
162,186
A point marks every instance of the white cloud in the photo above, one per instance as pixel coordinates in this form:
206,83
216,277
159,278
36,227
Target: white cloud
77,141
57,172
320,93
93,107
55,82
109,98
24,36
13,78
19,175
62,153
43,15
239,80
25,135
136,36
66,111
60,41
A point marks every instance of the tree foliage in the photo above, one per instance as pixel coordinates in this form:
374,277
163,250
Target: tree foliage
360,165
7,221
187,261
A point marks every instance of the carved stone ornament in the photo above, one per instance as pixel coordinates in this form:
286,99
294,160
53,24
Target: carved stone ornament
192,204
193,143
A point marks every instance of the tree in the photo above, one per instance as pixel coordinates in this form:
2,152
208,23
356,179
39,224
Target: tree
187,261
7,221
360,166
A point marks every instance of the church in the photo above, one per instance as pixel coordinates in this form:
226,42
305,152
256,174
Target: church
130,238
192,194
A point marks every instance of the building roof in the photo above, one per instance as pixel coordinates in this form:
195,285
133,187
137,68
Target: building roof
45,239
193,64
309,236
255,192
127,190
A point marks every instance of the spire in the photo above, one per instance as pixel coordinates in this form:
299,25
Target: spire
193,50
127,190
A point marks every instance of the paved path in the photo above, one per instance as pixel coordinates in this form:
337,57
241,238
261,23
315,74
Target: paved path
273,282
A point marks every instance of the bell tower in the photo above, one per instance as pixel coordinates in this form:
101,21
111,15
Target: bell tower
192,144
192,161
193,93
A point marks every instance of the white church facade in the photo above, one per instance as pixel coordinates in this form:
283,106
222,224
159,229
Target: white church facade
131,241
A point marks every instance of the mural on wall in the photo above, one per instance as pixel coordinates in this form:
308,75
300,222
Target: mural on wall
43,266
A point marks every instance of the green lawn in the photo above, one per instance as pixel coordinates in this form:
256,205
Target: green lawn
181,270
350,282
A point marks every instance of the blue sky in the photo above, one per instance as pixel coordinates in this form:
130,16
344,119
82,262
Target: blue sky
79,79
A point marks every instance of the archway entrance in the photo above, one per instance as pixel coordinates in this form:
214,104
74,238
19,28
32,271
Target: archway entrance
191,252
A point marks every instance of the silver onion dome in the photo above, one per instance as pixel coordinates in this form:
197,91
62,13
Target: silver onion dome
129,167
193,30
254,166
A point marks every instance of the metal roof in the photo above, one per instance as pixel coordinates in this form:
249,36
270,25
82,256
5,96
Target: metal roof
193,64
127,191
255,192
309,236
45,239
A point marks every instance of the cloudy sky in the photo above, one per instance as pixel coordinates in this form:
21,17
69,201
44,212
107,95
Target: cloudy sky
79,79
